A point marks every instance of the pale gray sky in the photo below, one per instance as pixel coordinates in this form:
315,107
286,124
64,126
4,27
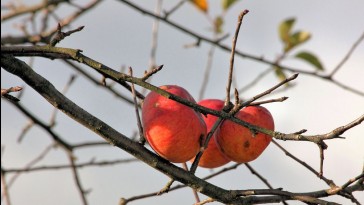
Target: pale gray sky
117,35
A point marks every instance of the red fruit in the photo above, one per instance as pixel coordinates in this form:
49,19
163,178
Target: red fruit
212,156
173,130
237,142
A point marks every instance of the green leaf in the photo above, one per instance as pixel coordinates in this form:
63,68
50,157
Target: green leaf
280,74
227,3
311,59
285,30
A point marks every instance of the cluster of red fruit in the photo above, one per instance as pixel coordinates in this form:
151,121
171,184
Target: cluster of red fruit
174,130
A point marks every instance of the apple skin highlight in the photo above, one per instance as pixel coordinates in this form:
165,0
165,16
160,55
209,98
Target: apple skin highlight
173,130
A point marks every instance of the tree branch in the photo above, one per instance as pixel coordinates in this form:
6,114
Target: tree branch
48,51
201,38
54,97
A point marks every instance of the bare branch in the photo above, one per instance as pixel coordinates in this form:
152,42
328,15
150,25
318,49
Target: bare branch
17,11
4,187
25,129
177,6
235,39
208,200
64,91
347,56
59,36
77,179
45,37
91,163
195,194
281,99
166,188
328,181
247,102
121,78
239,53
226,169
207,72
47,128
136,108
153,50
96,82
5,93
151,72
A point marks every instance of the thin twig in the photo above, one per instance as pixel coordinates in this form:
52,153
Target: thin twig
208,200
347,56
136,108
335,190
322,157
77,179
47,90
46,36
91,163
5,93
247,102
11,89
281,99
52,121
59,36
148,74
143,196
28,166
239,53
46,127
227,101
328,181
25,129
4,187
252,170
204,145
264,180
235,39
254,81
195,194
96,82
208,67
122,78
173,9
155,28
17,11
166,188
90,144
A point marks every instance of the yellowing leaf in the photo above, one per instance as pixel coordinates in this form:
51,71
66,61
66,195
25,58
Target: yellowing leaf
219,21
285,29
201,4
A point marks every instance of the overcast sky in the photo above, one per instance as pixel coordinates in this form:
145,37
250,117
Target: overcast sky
117,35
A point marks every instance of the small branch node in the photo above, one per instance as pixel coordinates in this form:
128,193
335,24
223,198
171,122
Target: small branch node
300,132
5,93
166,188
152,72
59,35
